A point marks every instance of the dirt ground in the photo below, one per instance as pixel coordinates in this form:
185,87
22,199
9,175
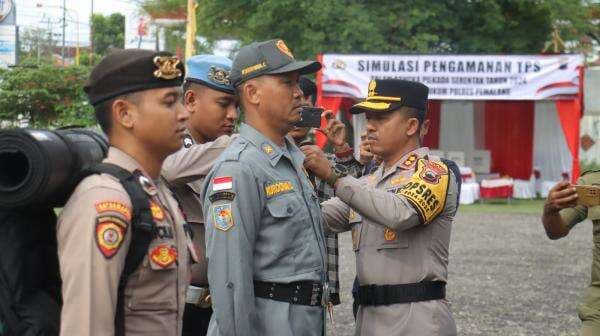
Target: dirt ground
505,277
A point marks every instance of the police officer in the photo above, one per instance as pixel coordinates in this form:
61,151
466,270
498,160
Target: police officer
561,214
265,243
210,100
136,96
400,216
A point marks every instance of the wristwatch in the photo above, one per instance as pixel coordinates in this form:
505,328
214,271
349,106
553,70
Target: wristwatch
337,171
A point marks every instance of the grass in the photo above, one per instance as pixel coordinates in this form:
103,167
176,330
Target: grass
516,206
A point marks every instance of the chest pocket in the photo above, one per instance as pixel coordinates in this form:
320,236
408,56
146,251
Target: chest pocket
287,222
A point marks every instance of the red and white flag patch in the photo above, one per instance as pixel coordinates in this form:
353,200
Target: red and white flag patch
222,183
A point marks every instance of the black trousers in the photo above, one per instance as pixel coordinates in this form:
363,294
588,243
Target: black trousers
195,320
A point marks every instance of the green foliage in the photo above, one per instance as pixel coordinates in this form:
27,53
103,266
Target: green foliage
109,32
49,96
389,26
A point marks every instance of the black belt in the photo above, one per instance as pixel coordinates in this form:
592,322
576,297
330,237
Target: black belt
383,295
304,293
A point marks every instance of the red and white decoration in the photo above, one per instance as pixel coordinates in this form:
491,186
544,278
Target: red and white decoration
529,120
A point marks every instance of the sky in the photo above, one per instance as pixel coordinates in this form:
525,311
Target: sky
45,13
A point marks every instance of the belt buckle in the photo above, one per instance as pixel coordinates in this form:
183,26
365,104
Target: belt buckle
204,301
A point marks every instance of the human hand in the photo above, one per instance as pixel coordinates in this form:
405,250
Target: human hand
335,131
316,161
562,195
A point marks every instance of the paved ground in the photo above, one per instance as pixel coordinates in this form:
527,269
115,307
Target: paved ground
506,277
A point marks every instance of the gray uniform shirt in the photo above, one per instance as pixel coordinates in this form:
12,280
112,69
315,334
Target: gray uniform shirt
263,222
394,246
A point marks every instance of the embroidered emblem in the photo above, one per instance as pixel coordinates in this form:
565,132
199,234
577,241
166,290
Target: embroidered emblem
218,76
167,67
114,206
432,172
283,48
222,196
372,86
267,148
389,234
163,255
253,68
426,193
148,186
222,216
187,141
110,233
277,188
157,212
222,183
410,161
351,215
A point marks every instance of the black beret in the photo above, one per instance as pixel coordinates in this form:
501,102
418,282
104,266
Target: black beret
386,95
130,70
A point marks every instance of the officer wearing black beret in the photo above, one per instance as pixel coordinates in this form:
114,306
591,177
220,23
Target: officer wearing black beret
400,216
136,96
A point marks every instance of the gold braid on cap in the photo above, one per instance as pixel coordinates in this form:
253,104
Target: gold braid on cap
167,67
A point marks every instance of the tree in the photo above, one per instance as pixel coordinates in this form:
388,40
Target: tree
36,45
49,96
390,26
109,32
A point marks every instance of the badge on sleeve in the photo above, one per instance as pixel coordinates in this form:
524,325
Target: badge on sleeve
163,255
110,234
427,189
222,216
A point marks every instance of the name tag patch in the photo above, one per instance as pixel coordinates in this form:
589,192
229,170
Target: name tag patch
278,188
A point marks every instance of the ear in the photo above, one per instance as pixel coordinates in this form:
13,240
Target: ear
122,113
190,99
413,127
252,92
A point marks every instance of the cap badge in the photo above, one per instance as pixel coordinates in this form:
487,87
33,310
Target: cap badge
372,85
283,48
218,76
167,67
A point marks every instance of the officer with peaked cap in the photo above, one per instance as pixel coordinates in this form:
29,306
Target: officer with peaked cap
264,237
400,217
210,100
136,96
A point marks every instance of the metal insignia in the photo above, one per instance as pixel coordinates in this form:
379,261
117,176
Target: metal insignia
167,67
148,187
218,75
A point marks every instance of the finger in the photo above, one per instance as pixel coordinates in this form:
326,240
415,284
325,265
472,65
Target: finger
564,193
328,114
566,202
560,186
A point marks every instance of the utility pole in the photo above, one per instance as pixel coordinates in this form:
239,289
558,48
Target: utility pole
64,19
92,34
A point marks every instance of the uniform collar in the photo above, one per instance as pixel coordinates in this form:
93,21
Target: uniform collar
124,160
273,151
406,162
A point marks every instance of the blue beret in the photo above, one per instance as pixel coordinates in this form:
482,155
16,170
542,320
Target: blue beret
210,70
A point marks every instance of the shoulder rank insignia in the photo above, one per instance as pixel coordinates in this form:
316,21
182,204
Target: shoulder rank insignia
167,67
410,161
277,188
427,188
163,255
222,216
110,233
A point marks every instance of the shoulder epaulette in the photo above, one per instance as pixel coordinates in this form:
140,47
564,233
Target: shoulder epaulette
233,152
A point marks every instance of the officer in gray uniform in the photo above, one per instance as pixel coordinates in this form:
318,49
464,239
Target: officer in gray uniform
264,234
210,100
400,216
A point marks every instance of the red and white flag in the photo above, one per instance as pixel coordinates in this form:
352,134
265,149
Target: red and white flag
222,183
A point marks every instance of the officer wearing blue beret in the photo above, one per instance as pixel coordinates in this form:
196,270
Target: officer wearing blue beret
208,97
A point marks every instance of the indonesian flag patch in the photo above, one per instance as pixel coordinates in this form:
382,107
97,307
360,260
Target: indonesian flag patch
222,183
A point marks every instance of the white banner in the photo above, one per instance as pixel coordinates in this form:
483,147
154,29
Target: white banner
462,77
